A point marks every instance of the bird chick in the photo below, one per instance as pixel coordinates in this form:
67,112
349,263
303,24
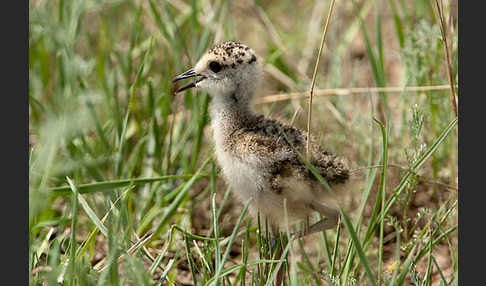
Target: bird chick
259,156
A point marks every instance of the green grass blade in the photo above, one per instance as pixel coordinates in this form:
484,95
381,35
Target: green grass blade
110,185
440,271
121,144
178,199
424,250
379,43
98,127
398,24
91,214
336,249
159,258
92,235
233,268
167,269
428,272
201,256
382,190
217,248
357,246
327,252
217,275
419,163
190,259
72,241
393,280
406,267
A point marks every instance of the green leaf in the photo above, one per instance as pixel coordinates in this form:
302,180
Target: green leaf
357,245
91,214
110,185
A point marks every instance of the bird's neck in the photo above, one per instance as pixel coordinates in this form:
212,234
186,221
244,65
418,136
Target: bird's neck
232,110
230,113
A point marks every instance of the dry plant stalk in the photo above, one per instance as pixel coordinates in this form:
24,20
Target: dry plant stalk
419,178
446,48
309,117
347,91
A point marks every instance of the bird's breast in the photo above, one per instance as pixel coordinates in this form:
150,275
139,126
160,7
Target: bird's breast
238,166
245,180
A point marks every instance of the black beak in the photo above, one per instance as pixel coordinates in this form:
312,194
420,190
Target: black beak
188,74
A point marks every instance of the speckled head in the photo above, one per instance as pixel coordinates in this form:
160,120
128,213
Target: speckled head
227,55
225,69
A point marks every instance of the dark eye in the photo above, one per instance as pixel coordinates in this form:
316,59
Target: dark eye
215,66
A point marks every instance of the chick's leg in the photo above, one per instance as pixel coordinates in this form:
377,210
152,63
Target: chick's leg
330,221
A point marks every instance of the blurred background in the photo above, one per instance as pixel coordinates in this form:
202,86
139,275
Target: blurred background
103,115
